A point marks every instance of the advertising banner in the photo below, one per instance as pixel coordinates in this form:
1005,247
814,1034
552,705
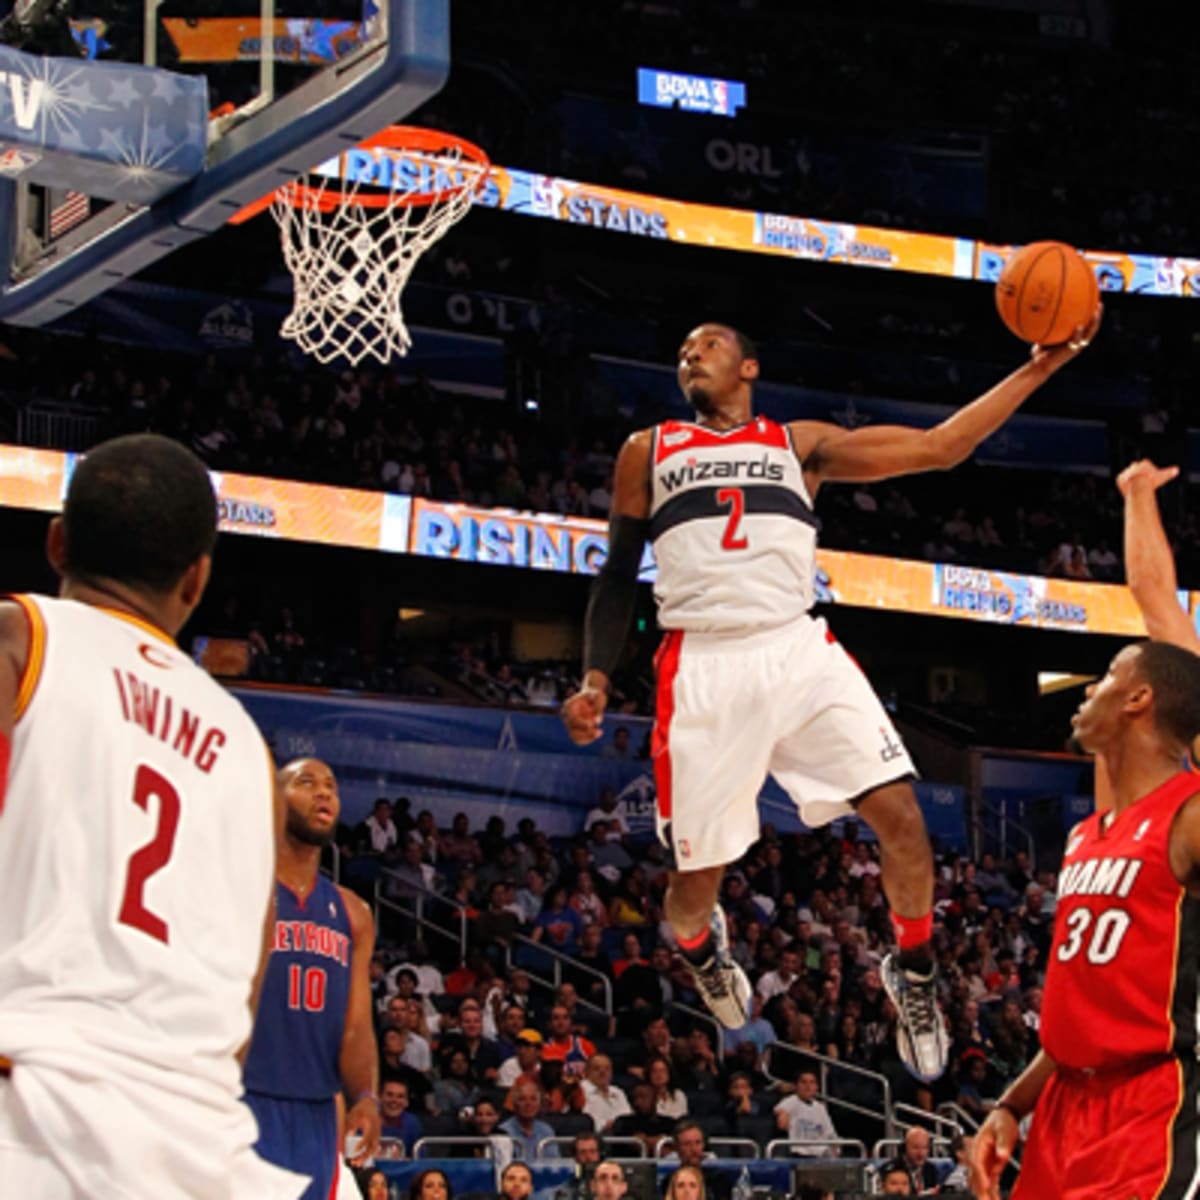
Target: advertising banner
397,524
306,40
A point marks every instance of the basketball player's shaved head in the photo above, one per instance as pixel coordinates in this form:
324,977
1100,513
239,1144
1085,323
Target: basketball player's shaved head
140,510
313,805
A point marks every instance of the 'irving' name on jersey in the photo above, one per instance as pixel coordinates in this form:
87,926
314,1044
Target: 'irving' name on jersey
157,713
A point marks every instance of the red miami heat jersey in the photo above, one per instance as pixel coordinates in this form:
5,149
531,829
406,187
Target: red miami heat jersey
732,525
1121,985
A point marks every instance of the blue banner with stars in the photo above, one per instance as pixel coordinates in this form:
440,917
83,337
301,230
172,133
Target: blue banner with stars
116,131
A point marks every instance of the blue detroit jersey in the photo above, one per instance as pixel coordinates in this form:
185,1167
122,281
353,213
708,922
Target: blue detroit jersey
302,1010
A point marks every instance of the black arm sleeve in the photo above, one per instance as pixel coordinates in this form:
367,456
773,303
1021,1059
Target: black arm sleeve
614,593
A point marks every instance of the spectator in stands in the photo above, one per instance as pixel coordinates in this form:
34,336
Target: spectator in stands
656,1043
894,1179
603,1101
524,1127
415,1051
803,1118
686,1183
375,1185
609,857
531,898
669,1098
482,1121
558,925
740,1102
516,1182
398,1125
525,1066
613,811
412,877
922,1174
619,748
457,846
587,902
379,833
493,930
565,1046
642,1121
591,955
510,1025
391,1066
959,1179
587,1152
691,1149
779,981
482,1053
608,1181
430,1185
457,1087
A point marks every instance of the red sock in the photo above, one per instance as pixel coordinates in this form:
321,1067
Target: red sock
912,932
693,943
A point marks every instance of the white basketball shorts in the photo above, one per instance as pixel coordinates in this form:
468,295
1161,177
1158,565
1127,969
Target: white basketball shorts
789,702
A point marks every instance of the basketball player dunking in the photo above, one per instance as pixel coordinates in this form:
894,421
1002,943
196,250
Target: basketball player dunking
1115,1087
314,1037
137,850
748,682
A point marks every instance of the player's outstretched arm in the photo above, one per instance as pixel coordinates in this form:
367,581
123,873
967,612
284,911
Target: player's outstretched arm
832,454
614,593
1149,564
358,1061
998,1135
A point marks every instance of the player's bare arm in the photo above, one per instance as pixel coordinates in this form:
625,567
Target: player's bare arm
998,1136
14,652
833,454
1184,846
1149,564
358,1060
610,608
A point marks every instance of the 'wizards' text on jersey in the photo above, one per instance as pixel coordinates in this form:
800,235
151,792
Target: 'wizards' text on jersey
733,528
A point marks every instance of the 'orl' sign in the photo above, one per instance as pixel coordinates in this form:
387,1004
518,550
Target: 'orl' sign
691,93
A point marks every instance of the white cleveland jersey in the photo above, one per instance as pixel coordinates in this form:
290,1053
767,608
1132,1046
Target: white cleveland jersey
732,525
136,865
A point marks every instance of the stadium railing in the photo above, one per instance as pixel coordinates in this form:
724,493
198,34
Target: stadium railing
420,901
836,1069
558,958
788,1145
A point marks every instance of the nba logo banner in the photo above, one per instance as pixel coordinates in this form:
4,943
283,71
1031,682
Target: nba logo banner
691,93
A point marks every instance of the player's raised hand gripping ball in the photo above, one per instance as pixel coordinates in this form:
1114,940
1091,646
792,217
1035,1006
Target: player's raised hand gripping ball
1045,292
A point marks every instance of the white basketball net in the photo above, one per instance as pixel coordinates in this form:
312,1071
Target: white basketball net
349,265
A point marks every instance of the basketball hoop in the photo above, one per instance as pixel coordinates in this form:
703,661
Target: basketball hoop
353,232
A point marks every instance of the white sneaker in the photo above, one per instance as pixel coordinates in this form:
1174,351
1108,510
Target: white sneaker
920,1029
722,984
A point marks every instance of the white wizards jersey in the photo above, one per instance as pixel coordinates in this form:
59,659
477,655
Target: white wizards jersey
732,525
136,858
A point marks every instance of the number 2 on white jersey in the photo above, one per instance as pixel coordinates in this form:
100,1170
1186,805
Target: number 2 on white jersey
154,855
734,499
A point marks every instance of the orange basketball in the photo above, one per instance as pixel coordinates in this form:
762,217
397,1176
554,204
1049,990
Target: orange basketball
1045,291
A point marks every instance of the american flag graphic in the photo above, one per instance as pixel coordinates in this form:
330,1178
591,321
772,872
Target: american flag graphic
67,210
